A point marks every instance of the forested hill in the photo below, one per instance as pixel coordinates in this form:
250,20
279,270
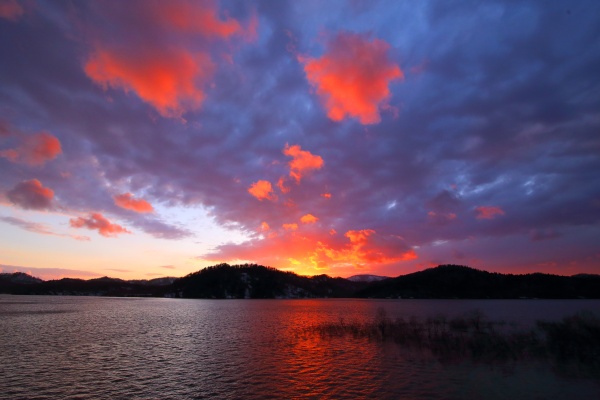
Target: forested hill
258,282
456,281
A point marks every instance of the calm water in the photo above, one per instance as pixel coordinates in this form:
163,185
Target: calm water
94,348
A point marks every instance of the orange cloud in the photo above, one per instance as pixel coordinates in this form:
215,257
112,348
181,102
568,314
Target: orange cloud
31,195
11,10
281,185
488,212
352,78
290,227
169,69
262,190
36,150
367,247
302,161
97,221
127,202
326,195
169,80
308,219
264,226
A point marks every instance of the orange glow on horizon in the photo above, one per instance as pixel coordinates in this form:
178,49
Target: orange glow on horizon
313,253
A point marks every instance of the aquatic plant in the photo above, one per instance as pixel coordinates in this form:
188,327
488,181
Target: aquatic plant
574,339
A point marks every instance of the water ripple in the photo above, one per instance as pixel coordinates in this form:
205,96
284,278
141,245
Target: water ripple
102,348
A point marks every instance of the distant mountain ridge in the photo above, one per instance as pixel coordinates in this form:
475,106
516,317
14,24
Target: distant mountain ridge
252,281
366,278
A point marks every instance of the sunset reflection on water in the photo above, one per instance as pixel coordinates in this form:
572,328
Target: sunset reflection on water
67,347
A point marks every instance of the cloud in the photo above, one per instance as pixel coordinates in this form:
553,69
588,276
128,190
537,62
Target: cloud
50,273
290,227
160,229
127,202
39,228
169,80
31,195
167,266
36,150
166,61
96,221
308,219
11,10
262,190
439,218
367,247
302,161
538,235
488,212
352,78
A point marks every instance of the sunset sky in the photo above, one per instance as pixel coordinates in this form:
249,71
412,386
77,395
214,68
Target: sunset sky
141,139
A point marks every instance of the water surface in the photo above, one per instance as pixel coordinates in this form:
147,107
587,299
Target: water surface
96,347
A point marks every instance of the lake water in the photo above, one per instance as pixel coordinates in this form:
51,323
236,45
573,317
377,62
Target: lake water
111,348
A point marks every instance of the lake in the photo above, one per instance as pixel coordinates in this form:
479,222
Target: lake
148,348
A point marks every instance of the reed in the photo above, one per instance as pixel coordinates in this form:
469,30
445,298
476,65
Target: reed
575,338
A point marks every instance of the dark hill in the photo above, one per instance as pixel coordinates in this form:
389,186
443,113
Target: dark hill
258,282
18,278
456,281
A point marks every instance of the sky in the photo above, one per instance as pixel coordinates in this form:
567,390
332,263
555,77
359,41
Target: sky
145,138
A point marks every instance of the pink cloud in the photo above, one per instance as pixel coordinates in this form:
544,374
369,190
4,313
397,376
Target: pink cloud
11,10
97,221
440,218
31,195
488,212
39,228
127,202
352,78
302,161
262,190
35,150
